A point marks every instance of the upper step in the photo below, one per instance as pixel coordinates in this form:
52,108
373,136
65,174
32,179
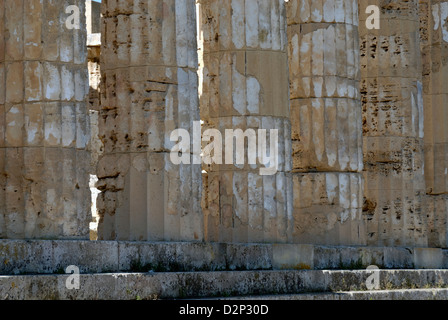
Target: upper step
46,257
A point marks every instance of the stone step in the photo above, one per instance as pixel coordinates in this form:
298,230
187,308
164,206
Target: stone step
404,294
180,285
47,257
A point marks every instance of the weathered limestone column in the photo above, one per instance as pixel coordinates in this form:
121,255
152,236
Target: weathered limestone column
245,86
434,44
392,95
326,121
435,90
149,89
44,128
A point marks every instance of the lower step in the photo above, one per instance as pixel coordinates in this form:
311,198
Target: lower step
129,286
405,294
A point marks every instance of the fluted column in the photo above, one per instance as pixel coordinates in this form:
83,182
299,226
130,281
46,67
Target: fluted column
149,88
326,121
44,127
245,86
434,45
393,125
435,91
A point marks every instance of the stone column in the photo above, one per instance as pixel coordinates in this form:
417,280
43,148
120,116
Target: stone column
326,121
149,89
44,127
435,93
245,86
392,95
434,44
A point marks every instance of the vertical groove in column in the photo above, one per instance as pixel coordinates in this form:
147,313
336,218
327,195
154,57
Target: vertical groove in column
2,120
245,86
149,89
44,129
434,47
326,121
435,91
392,95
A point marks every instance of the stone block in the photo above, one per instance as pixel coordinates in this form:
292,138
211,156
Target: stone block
294,256
14,82
428,258
92,256
248,257
395,258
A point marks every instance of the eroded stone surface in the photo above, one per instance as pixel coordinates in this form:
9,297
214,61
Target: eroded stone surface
44,126
149,86
409,284
393,126
47,257
245,86
434,48
326,121
148,89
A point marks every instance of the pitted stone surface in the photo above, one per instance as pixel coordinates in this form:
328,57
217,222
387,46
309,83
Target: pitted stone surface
148,89
46,257
44,123
327,155
362,153
393,128
245,86
132,286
